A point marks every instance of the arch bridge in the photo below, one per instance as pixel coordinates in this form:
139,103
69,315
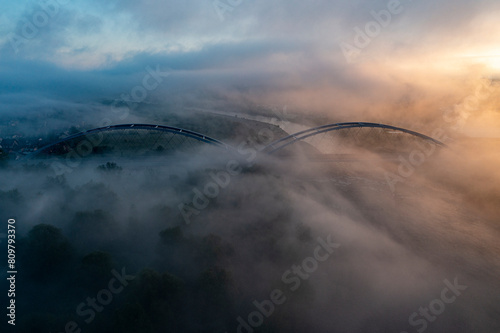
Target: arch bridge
120,139
337,140
347,141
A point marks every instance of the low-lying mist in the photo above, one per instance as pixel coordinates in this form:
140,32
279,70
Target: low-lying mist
206,235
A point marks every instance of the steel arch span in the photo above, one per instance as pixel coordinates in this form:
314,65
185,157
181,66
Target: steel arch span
127,136
287,141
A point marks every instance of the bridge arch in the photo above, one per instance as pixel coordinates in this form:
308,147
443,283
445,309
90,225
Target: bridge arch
105,139
289,140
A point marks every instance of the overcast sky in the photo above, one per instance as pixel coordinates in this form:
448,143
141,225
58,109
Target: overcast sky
303,51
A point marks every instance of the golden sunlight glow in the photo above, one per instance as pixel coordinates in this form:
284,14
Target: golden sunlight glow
492,61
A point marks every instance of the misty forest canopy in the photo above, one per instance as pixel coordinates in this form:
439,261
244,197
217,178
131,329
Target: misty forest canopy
213,242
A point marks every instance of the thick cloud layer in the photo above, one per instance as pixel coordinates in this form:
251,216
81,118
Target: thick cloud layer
289,51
